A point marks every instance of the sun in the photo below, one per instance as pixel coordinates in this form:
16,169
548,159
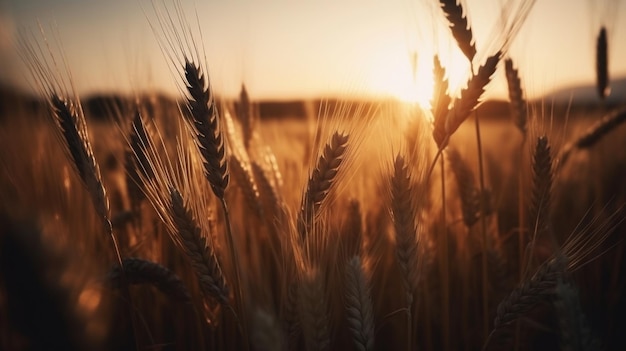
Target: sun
409,78
403,79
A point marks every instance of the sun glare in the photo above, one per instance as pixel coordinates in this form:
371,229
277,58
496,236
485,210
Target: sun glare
410,79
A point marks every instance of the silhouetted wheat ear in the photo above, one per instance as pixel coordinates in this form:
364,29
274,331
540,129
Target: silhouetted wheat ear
140,271
321,181
466,185
313,313
136,162
72,126
359,310
403,213
542,187
575,333
242,173
200,254
595,133
516,96
208,130
539,288
243,109
602,64
459,27
441,100
468,101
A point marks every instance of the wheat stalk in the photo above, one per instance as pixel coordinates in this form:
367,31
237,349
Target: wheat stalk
468,101
403,211
441,100
542,188
595,133
459,27
137,162
539,288
359,308
516,96
312,310
201,256
246,116
243,174
602,64
321,181
140,271
206,121
469,194
71,123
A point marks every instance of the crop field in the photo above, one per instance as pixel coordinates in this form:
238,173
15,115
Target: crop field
198,222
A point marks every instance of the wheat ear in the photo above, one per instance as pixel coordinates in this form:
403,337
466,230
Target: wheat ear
595,133
403,211
602,64
71,123
441,100
209,135
468,101
211,144
359,308
246,116
140,271
200,254
541,287
469,194
542,187
242,173
459,27
516,96
137,162
321,181
312,309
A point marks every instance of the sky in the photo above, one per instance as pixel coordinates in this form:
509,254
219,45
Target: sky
304,48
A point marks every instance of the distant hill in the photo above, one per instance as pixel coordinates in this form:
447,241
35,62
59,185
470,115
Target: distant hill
587,94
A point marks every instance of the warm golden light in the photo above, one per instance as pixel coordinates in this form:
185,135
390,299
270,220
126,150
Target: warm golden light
403,78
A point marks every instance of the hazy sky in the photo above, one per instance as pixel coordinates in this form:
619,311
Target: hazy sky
292,48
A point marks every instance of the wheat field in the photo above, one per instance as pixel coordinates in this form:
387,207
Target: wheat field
198,222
